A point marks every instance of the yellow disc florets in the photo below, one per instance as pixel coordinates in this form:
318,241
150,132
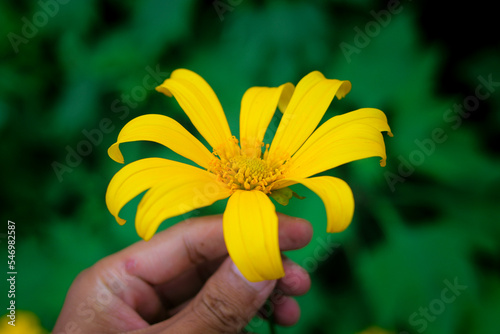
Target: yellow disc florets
246,172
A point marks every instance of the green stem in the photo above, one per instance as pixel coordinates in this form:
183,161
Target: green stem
272,324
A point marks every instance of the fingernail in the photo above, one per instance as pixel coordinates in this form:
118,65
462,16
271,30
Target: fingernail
255,285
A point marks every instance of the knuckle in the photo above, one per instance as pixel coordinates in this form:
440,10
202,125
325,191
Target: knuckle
219,312
194,254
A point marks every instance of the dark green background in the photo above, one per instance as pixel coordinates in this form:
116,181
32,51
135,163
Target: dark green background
435,222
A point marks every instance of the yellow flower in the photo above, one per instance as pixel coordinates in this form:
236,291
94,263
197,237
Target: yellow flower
242,171
25,323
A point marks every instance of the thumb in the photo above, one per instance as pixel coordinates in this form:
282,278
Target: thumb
226,303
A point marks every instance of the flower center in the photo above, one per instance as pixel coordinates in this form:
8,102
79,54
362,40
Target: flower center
246,173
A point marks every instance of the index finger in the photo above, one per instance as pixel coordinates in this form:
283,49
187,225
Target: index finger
195,241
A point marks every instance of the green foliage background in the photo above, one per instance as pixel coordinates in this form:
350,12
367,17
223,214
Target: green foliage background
430,217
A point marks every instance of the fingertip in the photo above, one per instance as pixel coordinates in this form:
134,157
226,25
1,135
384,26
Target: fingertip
296,281
294,232
287,312
304,227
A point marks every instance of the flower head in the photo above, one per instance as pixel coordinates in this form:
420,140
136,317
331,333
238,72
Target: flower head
247,170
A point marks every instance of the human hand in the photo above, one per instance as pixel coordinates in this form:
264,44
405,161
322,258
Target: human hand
182,281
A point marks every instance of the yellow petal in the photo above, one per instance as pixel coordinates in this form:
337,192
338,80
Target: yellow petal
342,139
307,106
336,196
251,235
182,190
141,175
163,130
257,109
199,102
134,179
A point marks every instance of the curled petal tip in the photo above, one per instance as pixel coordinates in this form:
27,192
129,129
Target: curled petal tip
115,153
344,89
120,221
163,90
